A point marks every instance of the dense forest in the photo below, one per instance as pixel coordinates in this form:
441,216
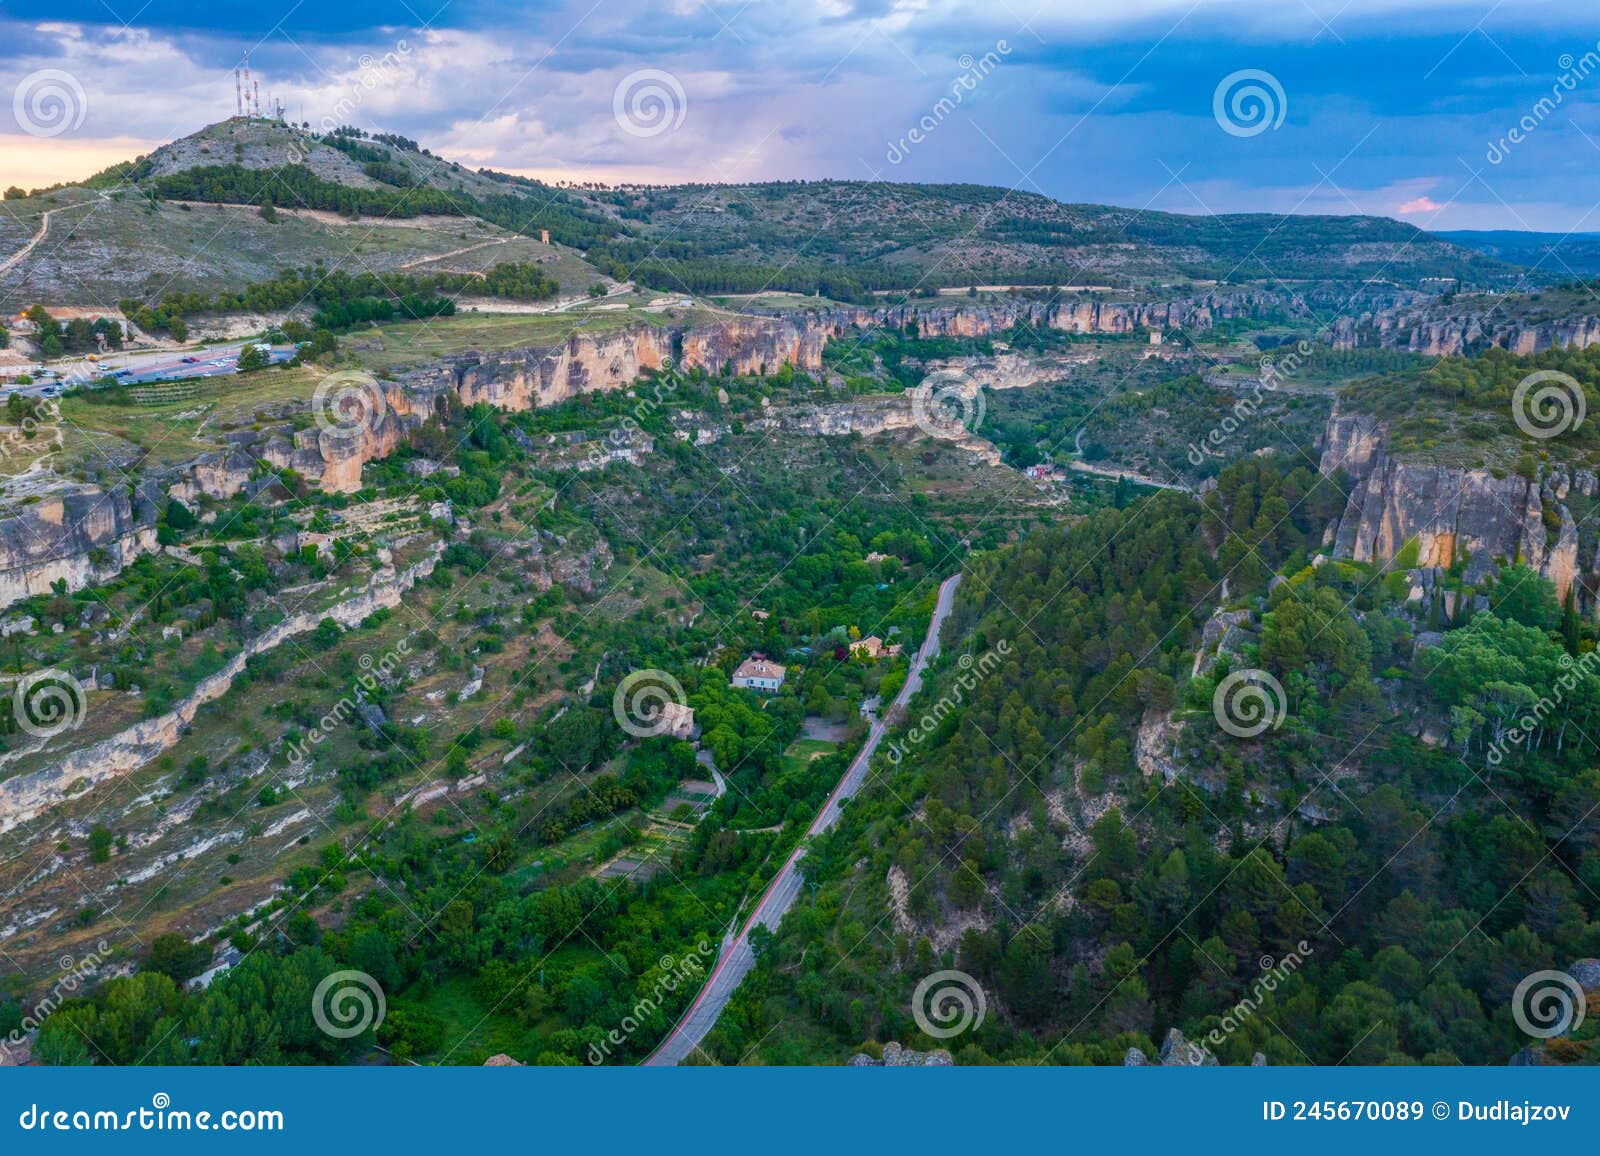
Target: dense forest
1432,881
525,208
343,300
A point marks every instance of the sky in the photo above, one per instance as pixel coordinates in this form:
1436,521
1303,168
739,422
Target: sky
1449,115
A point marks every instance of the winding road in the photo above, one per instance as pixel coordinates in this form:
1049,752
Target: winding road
736,958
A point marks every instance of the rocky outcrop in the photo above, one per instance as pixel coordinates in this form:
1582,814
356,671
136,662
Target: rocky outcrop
24,797
1423,328
1178,1052
91,534
77,535
1152,748
1350,442
879,415
522,379
1451,513
759,345
898,1056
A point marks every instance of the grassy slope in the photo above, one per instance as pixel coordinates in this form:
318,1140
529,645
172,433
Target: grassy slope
949,229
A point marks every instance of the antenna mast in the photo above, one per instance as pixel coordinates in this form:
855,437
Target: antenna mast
248,87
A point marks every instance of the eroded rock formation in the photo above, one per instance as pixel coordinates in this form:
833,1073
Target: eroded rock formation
73,534
1424,328
1451,513
88,535
24,797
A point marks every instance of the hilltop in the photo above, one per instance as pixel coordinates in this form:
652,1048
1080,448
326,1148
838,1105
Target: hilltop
895,236
150,227
188,218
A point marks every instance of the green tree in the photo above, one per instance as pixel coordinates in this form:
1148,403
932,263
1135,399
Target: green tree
175,957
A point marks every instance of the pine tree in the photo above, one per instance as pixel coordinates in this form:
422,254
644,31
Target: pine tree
1571,629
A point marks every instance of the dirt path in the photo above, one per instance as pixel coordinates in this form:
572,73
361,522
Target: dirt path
21,254
453,253
1130,475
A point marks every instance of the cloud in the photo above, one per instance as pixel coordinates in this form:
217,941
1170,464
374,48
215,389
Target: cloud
1422,204
1103,106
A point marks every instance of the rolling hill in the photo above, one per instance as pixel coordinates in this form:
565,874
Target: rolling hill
190,217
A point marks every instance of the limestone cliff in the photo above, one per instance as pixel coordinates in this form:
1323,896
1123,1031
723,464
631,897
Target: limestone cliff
529,378
73,534
88,535
1431,329
1448,510
24,797
870,417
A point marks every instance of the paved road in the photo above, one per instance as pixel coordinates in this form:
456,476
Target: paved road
220,361
736,958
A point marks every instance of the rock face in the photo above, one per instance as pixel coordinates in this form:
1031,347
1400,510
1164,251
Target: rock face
1177,1052
24,797
1446,511
89,535
755,345
1423,328
77,535
898,1056
529,378
523,379
877,416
